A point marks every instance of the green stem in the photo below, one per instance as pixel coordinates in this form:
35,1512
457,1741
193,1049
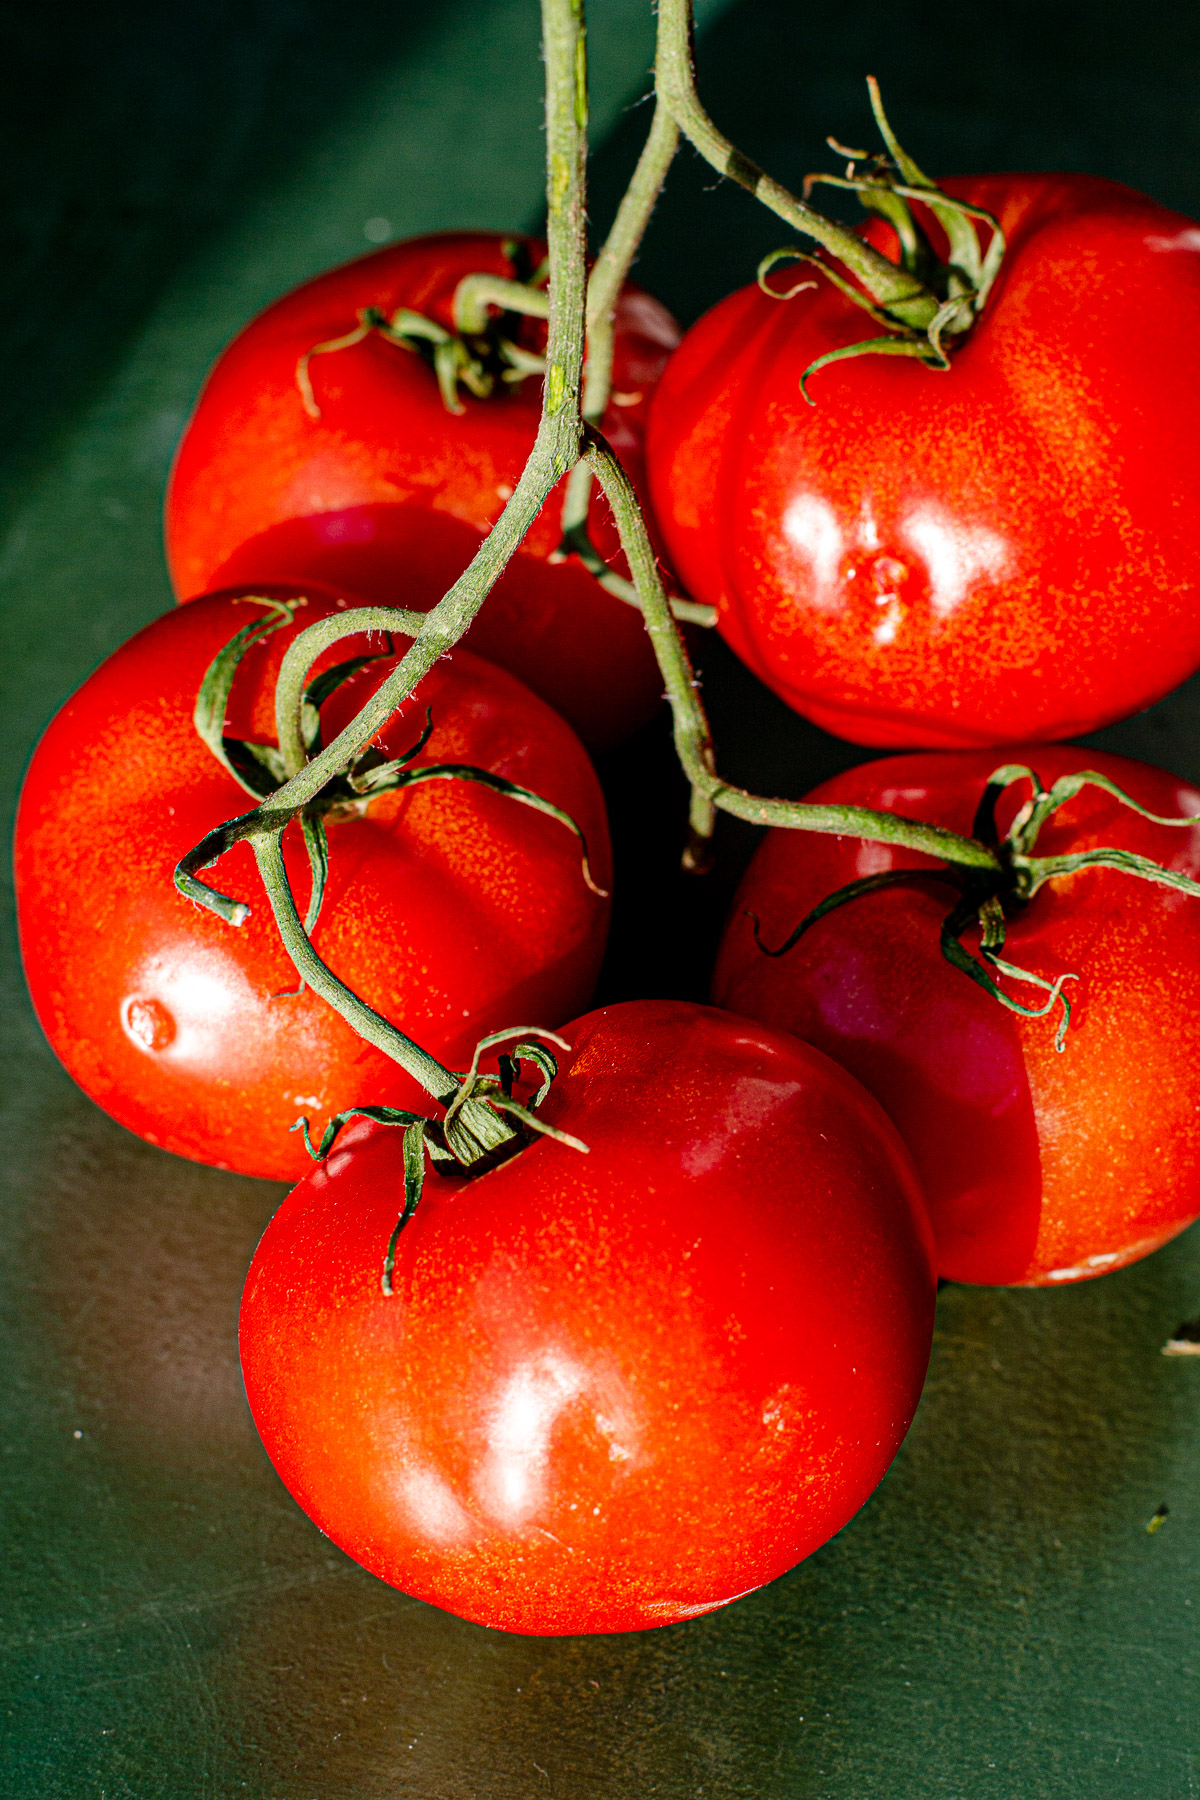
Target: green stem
555,451
693,740
433,1077
560,441
904,297
440,630
479,1132
560,430
475,293
604,289
303,652
693,612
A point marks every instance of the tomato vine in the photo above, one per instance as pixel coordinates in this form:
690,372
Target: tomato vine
916,302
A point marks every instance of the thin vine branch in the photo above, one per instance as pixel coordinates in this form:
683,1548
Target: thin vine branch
303,652
607,278
693,740
432,1075
559,437
480,1131
905,298
555,451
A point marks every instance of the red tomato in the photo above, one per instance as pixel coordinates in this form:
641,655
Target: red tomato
615,1390
453,910
389,494
1000,553
1040,1167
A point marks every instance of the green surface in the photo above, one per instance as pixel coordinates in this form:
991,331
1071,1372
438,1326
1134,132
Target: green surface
997,1622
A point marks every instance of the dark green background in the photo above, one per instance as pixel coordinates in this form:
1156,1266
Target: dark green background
997,1622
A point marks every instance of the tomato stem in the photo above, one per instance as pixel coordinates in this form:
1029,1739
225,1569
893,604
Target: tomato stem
432,1075
480,1130
303,652
475,293
693,740
560,429
905,298
1016,879
608,274
564,436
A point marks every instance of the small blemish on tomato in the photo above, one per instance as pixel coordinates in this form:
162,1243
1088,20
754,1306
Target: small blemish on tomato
887,574
148,1023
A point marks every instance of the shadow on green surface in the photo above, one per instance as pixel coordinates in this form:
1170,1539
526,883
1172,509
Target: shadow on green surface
130,131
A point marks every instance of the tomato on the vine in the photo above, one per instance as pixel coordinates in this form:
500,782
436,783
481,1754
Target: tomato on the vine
613,1389
388,493
449,907
1041,1166
998,553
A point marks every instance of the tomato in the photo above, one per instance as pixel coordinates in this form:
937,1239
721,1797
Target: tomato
1001,553
1040,1167
387,493
450,908
610,1390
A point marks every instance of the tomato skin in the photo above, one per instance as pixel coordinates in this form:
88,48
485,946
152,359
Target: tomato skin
1003,553
453,910
1040,1168
614,1390
387,491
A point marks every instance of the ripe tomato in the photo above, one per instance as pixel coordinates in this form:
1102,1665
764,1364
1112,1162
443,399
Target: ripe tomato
1001,553
450,908
387,493
1040,1167
610,1390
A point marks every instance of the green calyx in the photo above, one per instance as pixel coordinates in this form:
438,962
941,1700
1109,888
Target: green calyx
986,899
484,1123
261,770
480,355
463,1142
949,295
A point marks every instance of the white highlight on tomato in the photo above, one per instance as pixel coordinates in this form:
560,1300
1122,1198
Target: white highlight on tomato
811,526
955,555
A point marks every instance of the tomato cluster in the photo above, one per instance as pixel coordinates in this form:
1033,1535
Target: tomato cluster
658,1336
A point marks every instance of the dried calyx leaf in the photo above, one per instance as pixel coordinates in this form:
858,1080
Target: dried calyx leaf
391,776
853,890
988,914
497,1089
